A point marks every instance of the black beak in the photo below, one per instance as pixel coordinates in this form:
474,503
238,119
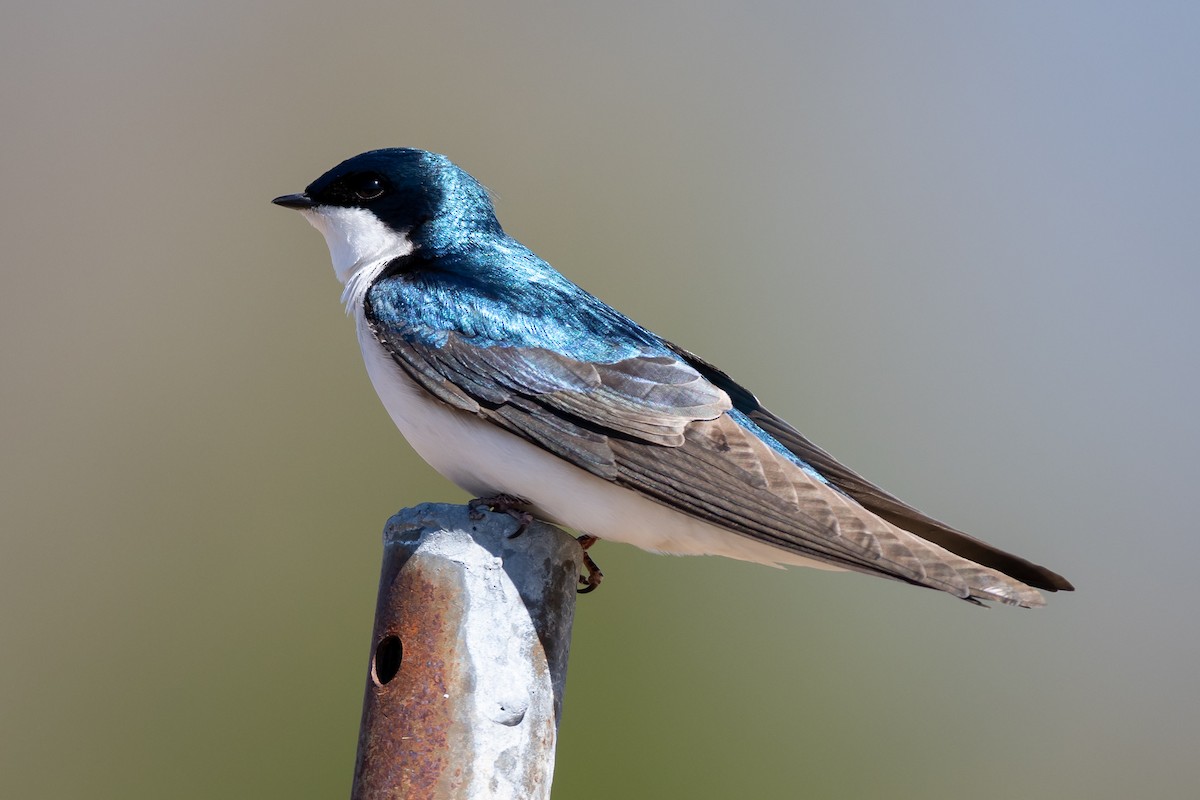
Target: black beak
294,201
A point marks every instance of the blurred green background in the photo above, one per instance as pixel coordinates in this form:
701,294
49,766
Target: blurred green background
954,243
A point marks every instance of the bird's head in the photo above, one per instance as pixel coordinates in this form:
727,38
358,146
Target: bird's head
385,204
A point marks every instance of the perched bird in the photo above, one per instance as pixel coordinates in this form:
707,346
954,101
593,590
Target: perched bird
512,381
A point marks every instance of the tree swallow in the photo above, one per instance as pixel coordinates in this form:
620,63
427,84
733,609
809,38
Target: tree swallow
509,379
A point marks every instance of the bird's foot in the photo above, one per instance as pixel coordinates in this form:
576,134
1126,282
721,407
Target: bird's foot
504,504
594,576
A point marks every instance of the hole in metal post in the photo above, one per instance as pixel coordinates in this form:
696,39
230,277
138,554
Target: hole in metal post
388,654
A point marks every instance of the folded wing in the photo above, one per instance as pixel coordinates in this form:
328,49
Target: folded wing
656,424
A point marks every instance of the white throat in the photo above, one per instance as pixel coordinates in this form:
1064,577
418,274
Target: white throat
360,245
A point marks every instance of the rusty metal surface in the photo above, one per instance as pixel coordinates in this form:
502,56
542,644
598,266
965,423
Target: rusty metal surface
468,658
407,727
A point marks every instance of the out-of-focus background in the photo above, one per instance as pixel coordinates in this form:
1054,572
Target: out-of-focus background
955,243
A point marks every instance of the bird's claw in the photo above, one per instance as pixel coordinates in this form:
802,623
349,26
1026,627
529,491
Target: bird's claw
590,581
504,504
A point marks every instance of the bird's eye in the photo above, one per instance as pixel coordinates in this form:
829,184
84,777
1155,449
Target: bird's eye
368,187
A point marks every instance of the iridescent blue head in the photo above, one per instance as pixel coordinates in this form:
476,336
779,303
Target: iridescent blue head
388,203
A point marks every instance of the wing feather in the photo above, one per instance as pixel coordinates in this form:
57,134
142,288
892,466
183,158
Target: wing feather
875,499
659,426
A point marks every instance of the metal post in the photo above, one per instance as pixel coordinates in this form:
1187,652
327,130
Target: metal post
468,659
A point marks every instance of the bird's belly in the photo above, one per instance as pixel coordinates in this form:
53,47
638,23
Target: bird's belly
485,460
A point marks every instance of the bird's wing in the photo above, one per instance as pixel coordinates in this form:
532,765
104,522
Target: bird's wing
654,424
871,497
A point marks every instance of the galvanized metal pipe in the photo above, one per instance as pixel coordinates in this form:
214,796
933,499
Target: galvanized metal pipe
468,658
